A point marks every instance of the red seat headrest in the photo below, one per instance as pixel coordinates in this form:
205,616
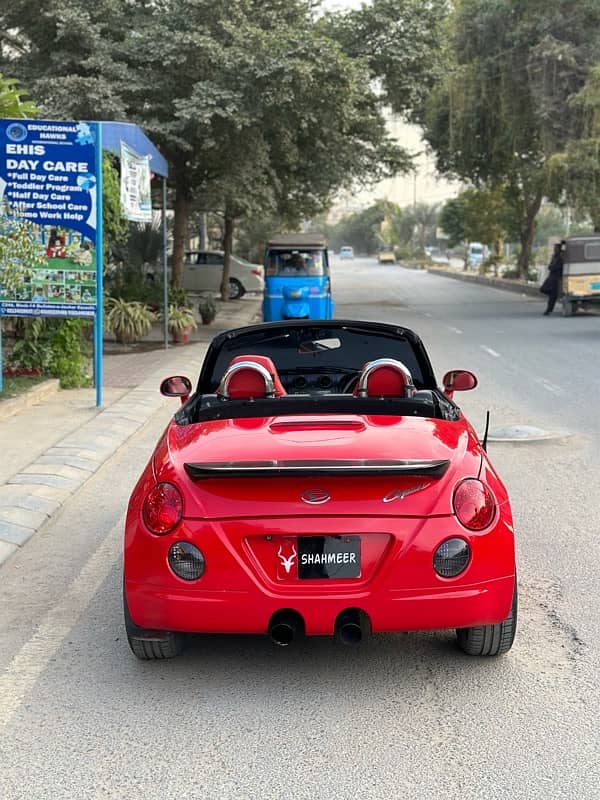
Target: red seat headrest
268,364
386,382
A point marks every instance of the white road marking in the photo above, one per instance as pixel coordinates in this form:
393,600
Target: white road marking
21,674
549,386
490,351
427,314
454,330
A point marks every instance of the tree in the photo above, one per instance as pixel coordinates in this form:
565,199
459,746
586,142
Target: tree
503,107
70,54
259,112
453,220
480,215
575,172
401,42
360,230
12,102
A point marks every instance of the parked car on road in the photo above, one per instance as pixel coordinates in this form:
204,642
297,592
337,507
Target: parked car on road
346,252
203,272
318,482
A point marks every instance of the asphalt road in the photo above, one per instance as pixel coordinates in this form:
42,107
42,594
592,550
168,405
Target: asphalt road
402,716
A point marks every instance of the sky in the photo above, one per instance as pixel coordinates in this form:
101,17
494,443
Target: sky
339,5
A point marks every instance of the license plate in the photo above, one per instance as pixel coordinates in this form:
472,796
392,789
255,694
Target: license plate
328,557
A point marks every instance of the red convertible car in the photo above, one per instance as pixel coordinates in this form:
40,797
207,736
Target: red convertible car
318,482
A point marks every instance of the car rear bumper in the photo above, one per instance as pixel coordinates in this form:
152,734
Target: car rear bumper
245,580
194,611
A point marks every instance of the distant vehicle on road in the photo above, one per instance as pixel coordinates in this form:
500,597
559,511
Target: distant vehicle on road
386,254
346,252
203,272
581,273
475,254
297,282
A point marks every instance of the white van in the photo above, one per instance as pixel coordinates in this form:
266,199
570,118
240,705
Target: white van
475,254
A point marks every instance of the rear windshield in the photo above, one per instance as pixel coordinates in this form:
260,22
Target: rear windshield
294,263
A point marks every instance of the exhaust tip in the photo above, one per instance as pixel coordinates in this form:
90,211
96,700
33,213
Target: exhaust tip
282,634
350,633
351,625
285,626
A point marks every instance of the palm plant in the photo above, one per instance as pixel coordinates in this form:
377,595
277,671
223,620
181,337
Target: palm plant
129,321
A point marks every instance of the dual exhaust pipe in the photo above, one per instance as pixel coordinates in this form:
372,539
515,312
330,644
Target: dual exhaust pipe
350,626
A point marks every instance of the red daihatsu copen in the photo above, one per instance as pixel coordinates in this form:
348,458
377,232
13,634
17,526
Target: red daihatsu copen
318,482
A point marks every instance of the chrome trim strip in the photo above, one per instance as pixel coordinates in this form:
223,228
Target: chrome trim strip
242,469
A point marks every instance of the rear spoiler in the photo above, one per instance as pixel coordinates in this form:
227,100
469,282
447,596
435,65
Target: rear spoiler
307,469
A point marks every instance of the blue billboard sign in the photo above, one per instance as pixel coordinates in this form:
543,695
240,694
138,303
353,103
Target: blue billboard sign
48,225
47,171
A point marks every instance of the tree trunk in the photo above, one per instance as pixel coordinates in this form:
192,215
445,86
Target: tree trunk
227,248
527,231
181,211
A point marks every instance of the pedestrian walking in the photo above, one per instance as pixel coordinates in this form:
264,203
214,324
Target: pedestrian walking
551,286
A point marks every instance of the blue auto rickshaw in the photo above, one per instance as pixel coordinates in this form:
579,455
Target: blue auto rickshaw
297,282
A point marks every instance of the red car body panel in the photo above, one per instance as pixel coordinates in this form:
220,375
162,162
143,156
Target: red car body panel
246,528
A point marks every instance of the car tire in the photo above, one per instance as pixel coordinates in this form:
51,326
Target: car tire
490,640
236,290
568,308
151,645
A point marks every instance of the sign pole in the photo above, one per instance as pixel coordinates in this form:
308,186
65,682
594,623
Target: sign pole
98,319
165,265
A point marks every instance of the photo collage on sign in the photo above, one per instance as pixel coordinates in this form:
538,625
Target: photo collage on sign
66,271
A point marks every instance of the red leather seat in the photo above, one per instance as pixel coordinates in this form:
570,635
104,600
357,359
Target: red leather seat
248,381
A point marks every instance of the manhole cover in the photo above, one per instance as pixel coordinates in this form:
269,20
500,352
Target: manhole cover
522,433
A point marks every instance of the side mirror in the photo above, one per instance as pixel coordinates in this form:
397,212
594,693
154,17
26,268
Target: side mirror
177,386
458,380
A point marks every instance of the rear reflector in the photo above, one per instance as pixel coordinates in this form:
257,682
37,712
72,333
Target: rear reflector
186,561
451,557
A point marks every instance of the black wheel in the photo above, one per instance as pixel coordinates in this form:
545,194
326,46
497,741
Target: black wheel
490,640
236,290
150,645
568,308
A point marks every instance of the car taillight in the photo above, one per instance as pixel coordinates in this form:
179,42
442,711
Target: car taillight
257,272
162,509
474,504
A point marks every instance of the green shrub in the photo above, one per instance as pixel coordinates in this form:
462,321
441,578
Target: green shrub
68,361
56,347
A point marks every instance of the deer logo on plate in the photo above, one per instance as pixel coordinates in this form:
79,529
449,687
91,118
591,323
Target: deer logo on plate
287,562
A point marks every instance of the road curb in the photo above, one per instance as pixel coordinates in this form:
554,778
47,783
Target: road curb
31,397
485,280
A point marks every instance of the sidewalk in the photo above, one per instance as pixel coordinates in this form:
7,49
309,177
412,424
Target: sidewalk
49,450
